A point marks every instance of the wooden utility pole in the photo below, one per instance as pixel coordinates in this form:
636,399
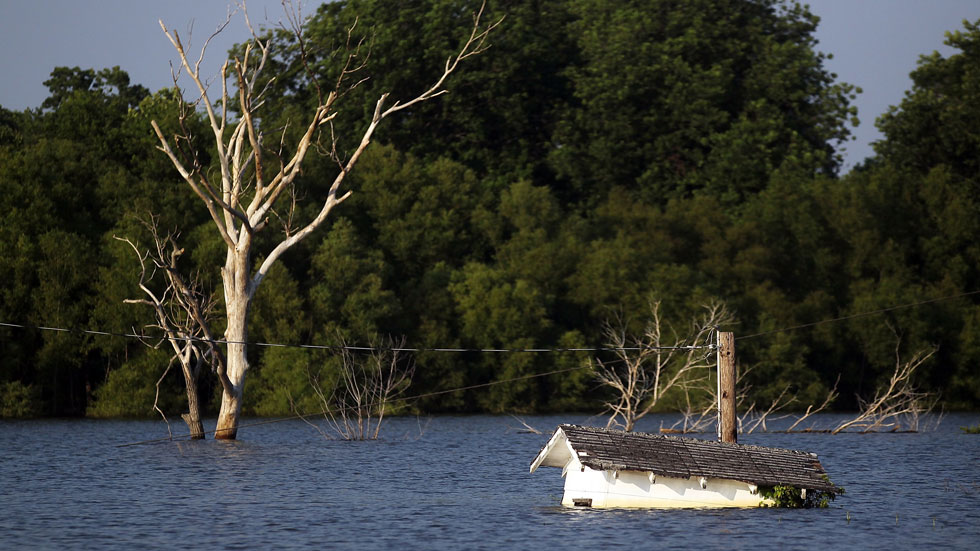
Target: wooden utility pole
727,428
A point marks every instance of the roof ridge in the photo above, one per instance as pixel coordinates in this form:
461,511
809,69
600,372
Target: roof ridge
683,439
672,456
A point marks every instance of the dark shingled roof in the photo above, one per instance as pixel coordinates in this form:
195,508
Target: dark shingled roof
685,457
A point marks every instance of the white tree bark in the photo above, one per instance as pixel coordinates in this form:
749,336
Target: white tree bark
181,310
239,204
649,366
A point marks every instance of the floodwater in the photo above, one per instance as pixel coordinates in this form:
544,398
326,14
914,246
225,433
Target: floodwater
445,483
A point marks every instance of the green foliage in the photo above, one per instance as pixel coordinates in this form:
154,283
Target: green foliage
596,154
113,84
349,292
675,98
975,429
782,496
129,390
502,106
284,382
10,127
934,123
18,400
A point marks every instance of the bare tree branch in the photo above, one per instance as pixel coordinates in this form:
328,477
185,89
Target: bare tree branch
242,193
360,399
831,396
896,399
181,312
651,365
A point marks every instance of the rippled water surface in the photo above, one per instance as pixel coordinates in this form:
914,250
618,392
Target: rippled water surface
444,483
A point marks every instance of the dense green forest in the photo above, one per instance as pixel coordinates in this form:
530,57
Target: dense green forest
597,156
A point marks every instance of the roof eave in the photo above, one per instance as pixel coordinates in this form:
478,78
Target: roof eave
556,440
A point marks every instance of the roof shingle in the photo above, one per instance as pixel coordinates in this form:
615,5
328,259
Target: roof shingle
672,456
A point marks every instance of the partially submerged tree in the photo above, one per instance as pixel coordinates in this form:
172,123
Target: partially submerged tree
256,173
182,311
700,408
661,359
896,401
810,410
370,380
757,419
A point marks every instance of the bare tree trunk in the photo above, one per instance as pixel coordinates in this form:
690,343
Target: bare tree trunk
231,409
242,188
182,310
193,415
238,297
231,394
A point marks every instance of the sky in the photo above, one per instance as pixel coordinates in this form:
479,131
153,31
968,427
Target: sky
875,43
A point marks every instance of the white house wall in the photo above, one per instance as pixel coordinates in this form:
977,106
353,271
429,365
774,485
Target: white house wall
635,489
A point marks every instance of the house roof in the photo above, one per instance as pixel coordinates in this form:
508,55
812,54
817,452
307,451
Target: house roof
672,456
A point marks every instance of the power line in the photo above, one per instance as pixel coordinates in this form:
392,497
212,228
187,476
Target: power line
349,347
860,315
401,399
481,385
478,350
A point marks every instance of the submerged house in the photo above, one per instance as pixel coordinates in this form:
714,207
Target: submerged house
609,468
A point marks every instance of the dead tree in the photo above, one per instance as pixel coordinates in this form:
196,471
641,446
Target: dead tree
367,385
700,411
896,401
810,410
701,405
181,309
753,419
251,177
698,415
647,367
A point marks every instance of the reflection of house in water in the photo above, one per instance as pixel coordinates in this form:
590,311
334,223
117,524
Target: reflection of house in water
606,468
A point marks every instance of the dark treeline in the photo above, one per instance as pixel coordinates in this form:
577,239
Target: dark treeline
600,154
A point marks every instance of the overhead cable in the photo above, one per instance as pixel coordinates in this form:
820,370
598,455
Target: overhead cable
349,347
858,315
398,399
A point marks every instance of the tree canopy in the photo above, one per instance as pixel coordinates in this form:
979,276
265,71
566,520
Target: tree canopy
597,156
